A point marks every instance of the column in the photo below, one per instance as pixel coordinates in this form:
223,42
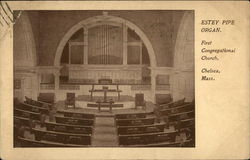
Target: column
39,81
36,84
153,84
85,52
125,45
171,82
69,53
140,45
175,84
57,82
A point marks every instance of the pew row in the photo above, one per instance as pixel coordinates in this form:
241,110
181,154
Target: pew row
186,143
27,114
124,130
24,142
147,138
74,121
77,115
187,123
24,121
179,109
181,116
131,116
32,108
65,138
173,104
37,103
135,122
67,128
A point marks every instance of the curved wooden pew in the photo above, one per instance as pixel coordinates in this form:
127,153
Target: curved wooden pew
186,143
124,130
181,116
31,108
147,138
173,104
178,109
24,121
131,116
68,128
135,122
27,114
187,123
74,121
37,103
33,143
61,137
77,115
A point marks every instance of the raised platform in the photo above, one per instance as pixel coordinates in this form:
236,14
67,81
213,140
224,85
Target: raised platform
80,109
114,106
123,98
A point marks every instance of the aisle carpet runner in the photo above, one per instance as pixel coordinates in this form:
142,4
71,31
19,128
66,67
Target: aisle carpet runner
104,133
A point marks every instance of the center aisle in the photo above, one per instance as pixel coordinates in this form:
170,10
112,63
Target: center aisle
104,132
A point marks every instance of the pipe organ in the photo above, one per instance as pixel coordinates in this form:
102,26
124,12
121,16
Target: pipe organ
103,53
105,44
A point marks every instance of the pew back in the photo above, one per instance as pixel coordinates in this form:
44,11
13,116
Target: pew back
74,121
135,122
31,108
131,116
173,104
33,143
27,114
124,130
51,126
37,103
147,138
79,139
181,116
182,108
77,115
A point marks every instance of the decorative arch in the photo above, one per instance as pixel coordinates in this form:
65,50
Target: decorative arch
184,46
183,79
30,56
100,19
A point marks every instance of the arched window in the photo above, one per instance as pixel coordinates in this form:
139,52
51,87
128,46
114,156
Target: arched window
105,43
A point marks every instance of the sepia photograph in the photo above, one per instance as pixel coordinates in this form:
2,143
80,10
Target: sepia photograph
104,78
124,80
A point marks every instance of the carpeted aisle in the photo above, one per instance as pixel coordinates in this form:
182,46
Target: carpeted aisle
104,132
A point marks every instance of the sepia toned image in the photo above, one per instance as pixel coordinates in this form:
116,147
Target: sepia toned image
104,78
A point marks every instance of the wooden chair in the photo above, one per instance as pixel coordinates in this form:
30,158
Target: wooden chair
139,101
70,100
163,98
46,97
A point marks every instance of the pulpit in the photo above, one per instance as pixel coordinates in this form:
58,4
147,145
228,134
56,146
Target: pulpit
105,104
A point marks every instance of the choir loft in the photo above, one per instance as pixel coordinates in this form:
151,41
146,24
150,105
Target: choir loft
104,79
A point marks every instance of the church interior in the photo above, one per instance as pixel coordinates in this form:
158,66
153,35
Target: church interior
113,78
